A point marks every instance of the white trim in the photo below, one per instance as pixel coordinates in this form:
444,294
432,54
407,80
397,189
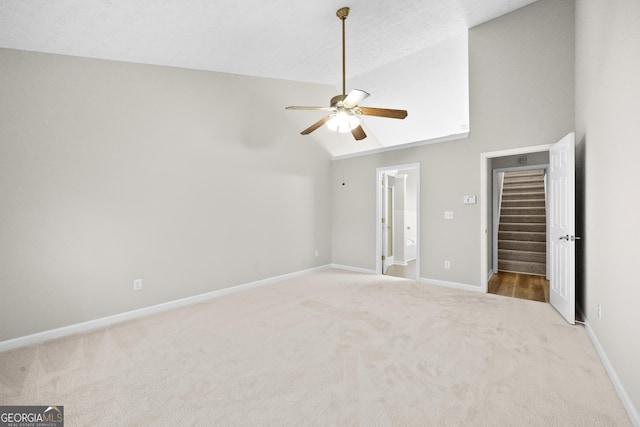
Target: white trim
452,285
632,411
451,137
484,157
64,331
354,269
498,186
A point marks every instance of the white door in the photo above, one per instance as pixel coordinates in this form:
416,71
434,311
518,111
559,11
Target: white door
385,222
562,223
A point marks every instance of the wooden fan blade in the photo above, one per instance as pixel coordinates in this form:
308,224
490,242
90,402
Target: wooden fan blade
383,112
315,126
358,133
308,108
354,98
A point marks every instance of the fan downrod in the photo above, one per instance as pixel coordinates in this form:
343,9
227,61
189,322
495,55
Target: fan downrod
342,13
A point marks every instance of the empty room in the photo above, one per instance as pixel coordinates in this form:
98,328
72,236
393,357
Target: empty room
319,213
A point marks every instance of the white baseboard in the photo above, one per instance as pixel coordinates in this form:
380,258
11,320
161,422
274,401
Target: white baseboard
490,275
632,411
453,285
142,312
354,269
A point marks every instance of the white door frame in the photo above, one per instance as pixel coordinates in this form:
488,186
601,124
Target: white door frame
485,205
379,214
386,227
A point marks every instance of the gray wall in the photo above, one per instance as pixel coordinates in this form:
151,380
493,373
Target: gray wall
521,94
607,129
520,160
192,181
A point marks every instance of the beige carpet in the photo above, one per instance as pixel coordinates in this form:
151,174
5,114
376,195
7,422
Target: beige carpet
328,349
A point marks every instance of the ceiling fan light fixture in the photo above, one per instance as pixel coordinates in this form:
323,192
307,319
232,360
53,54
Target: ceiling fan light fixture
344,108
343,122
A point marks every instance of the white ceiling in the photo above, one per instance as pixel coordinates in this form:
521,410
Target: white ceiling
284,39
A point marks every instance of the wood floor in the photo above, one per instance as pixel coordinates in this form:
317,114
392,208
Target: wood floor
525,286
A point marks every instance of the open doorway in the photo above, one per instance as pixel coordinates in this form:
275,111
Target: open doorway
520,267
397,234
560,223
514,255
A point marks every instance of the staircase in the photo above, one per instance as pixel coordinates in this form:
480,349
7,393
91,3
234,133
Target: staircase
522,234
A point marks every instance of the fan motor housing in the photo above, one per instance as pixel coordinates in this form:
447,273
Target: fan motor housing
336,99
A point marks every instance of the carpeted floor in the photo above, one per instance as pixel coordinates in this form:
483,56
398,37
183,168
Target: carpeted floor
331,348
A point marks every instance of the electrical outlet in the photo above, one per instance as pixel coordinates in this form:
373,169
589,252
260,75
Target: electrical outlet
447,264
137,285
317,252
448,214
599,311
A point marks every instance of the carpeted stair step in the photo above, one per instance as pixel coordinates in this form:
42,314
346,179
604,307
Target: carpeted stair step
537,172
523,210
521,184
526,236
539,203
518,219
539,227
522,188
523,196
537,268
512,255
521,179
522,246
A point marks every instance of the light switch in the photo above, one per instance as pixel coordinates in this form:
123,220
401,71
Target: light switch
448,214
470,199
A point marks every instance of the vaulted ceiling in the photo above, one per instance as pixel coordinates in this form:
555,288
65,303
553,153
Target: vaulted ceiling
401,51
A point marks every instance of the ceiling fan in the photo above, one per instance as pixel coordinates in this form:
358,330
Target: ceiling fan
344,109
